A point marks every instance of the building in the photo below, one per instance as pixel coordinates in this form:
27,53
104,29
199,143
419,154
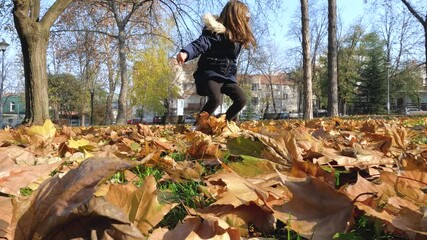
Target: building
13,109
420,102
262,87
258,88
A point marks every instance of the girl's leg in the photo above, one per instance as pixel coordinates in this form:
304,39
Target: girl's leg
213,89
239,99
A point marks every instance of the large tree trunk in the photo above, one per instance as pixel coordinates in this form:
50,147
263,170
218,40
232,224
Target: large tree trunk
332,59
308,91
34,35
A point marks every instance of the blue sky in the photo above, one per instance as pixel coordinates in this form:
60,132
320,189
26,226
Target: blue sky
349,10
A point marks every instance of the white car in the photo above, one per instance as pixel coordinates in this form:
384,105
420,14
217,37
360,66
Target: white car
414,111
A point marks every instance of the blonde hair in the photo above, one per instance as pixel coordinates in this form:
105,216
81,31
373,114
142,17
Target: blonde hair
235,17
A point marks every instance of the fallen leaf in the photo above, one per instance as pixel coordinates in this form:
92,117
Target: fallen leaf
53,204
5,217
316,210
197,228
142,205
45,132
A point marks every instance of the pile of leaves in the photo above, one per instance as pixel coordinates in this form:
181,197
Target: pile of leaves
254,179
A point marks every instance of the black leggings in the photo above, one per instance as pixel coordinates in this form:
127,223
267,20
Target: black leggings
215,89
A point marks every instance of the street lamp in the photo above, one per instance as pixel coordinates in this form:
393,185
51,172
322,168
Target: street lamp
388,88
3,46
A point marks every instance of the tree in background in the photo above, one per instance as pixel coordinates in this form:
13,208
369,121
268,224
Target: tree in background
153,84
332,59
417,13
373,83
66,95
305,31
318,32
268,61
350,61
407,82
33,31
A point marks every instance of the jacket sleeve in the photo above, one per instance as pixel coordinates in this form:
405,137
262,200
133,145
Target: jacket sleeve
199,46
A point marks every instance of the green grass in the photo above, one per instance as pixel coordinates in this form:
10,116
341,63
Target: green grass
26,191
118,178
142,172
367,228
186,194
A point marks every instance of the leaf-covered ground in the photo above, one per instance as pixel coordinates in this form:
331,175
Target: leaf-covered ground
254,180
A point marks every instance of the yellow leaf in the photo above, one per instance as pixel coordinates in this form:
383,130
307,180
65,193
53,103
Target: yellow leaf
47,131
87,154
76,144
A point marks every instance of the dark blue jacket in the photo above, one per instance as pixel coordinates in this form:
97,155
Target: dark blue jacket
218,57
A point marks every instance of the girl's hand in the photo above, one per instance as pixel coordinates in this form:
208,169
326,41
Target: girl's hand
181,57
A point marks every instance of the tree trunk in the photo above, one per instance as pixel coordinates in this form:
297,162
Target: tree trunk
272,93
112,82
34,48
33,33
332,59
122,104
308,91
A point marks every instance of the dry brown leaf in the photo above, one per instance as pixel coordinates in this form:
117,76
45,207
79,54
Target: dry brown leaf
96,219
141,205
52,206
401,197
6,136
243,217
14,177
19,155
5,217
210,124
236,191
144,130
304,169
403,219
203,148
196,228
399,136
68,131
186,170
316,210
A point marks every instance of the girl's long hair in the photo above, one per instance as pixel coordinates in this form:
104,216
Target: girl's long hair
235,17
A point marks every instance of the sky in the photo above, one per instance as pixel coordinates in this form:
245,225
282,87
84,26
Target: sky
349,10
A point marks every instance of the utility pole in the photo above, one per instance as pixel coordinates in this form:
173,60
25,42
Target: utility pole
388,88
3,46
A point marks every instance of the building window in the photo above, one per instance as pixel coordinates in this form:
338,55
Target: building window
12,107
255,86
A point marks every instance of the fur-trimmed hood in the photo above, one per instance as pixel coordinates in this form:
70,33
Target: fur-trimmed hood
212,24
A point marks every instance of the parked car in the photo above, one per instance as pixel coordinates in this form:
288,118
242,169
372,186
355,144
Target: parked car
295,115
190,118
135,121
245,117
276,116
159,119
320,112
414,111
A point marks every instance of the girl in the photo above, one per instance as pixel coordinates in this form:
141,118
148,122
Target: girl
219,46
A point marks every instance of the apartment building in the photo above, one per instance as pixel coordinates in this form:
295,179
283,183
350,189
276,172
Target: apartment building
266,94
